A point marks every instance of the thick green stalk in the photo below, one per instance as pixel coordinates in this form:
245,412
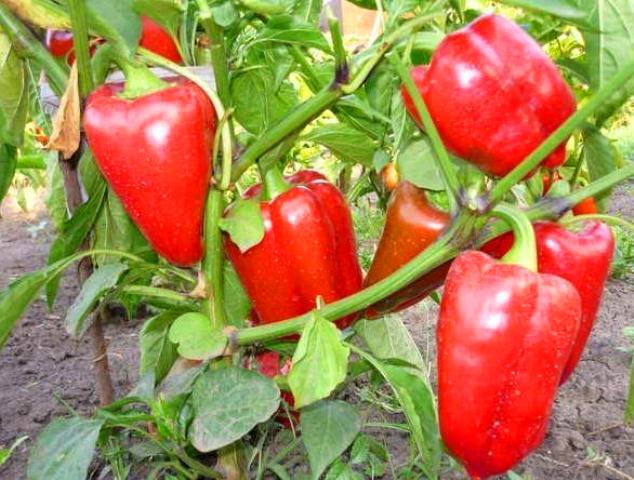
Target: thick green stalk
524,249
212,267
81,46
442,157
218,52
28,46
564,131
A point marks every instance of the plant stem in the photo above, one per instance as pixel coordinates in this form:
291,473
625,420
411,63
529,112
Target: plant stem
80,44
560,135
28,46
608,219
341,64
524,249
212,267
442,157
218,52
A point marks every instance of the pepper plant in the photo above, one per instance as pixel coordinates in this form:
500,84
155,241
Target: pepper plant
260,315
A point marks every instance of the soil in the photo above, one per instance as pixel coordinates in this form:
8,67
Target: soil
45,373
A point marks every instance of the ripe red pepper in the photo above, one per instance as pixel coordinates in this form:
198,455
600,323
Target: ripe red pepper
411,225
156,39
494,95
59,42
308,250
155,152
582,258
504,337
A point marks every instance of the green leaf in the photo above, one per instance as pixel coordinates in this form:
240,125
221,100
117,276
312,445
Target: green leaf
609,42
264,105
237,304
328,429
167,13
293,31
8,165
114,230
55,199
225,14
416,164
96,286
76,229
600,156
157,352
416,398
120,15
427,41
64,449
228,403
565,9
388,338
195,337
244,224
308,10
5,453
320,362
345,142
13,94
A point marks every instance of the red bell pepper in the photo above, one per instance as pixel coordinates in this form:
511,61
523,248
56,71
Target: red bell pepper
494,95
59,42
505,334
411,225
155,152
156,39
308,250
582,258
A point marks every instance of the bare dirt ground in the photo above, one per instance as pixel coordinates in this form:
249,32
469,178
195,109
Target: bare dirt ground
45,373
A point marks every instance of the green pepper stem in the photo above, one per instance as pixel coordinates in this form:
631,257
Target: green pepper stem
274,184
524,249
139,80
81,46
564,131
27,46
212,266
442,157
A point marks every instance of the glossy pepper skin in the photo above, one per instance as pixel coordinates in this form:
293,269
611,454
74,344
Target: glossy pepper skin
583,258
156,39
494,95
308,250
155,152
59,42
412,223
504,336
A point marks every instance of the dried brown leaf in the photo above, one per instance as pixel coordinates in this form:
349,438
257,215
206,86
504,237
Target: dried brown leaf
66,123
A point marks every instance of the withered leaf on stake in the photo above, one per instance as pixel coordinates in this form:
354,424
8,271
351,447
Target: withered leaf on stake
66,123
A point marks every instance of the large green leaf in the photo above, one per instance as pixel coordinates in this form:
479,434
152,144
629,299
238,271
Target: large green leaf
257,103
388,338
13,94
228,403
328,429
600,155
345,142
55,198
8,164
237,303
75,231
308,10
96,286
566,9
64,449
320,362
157,352
120,16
